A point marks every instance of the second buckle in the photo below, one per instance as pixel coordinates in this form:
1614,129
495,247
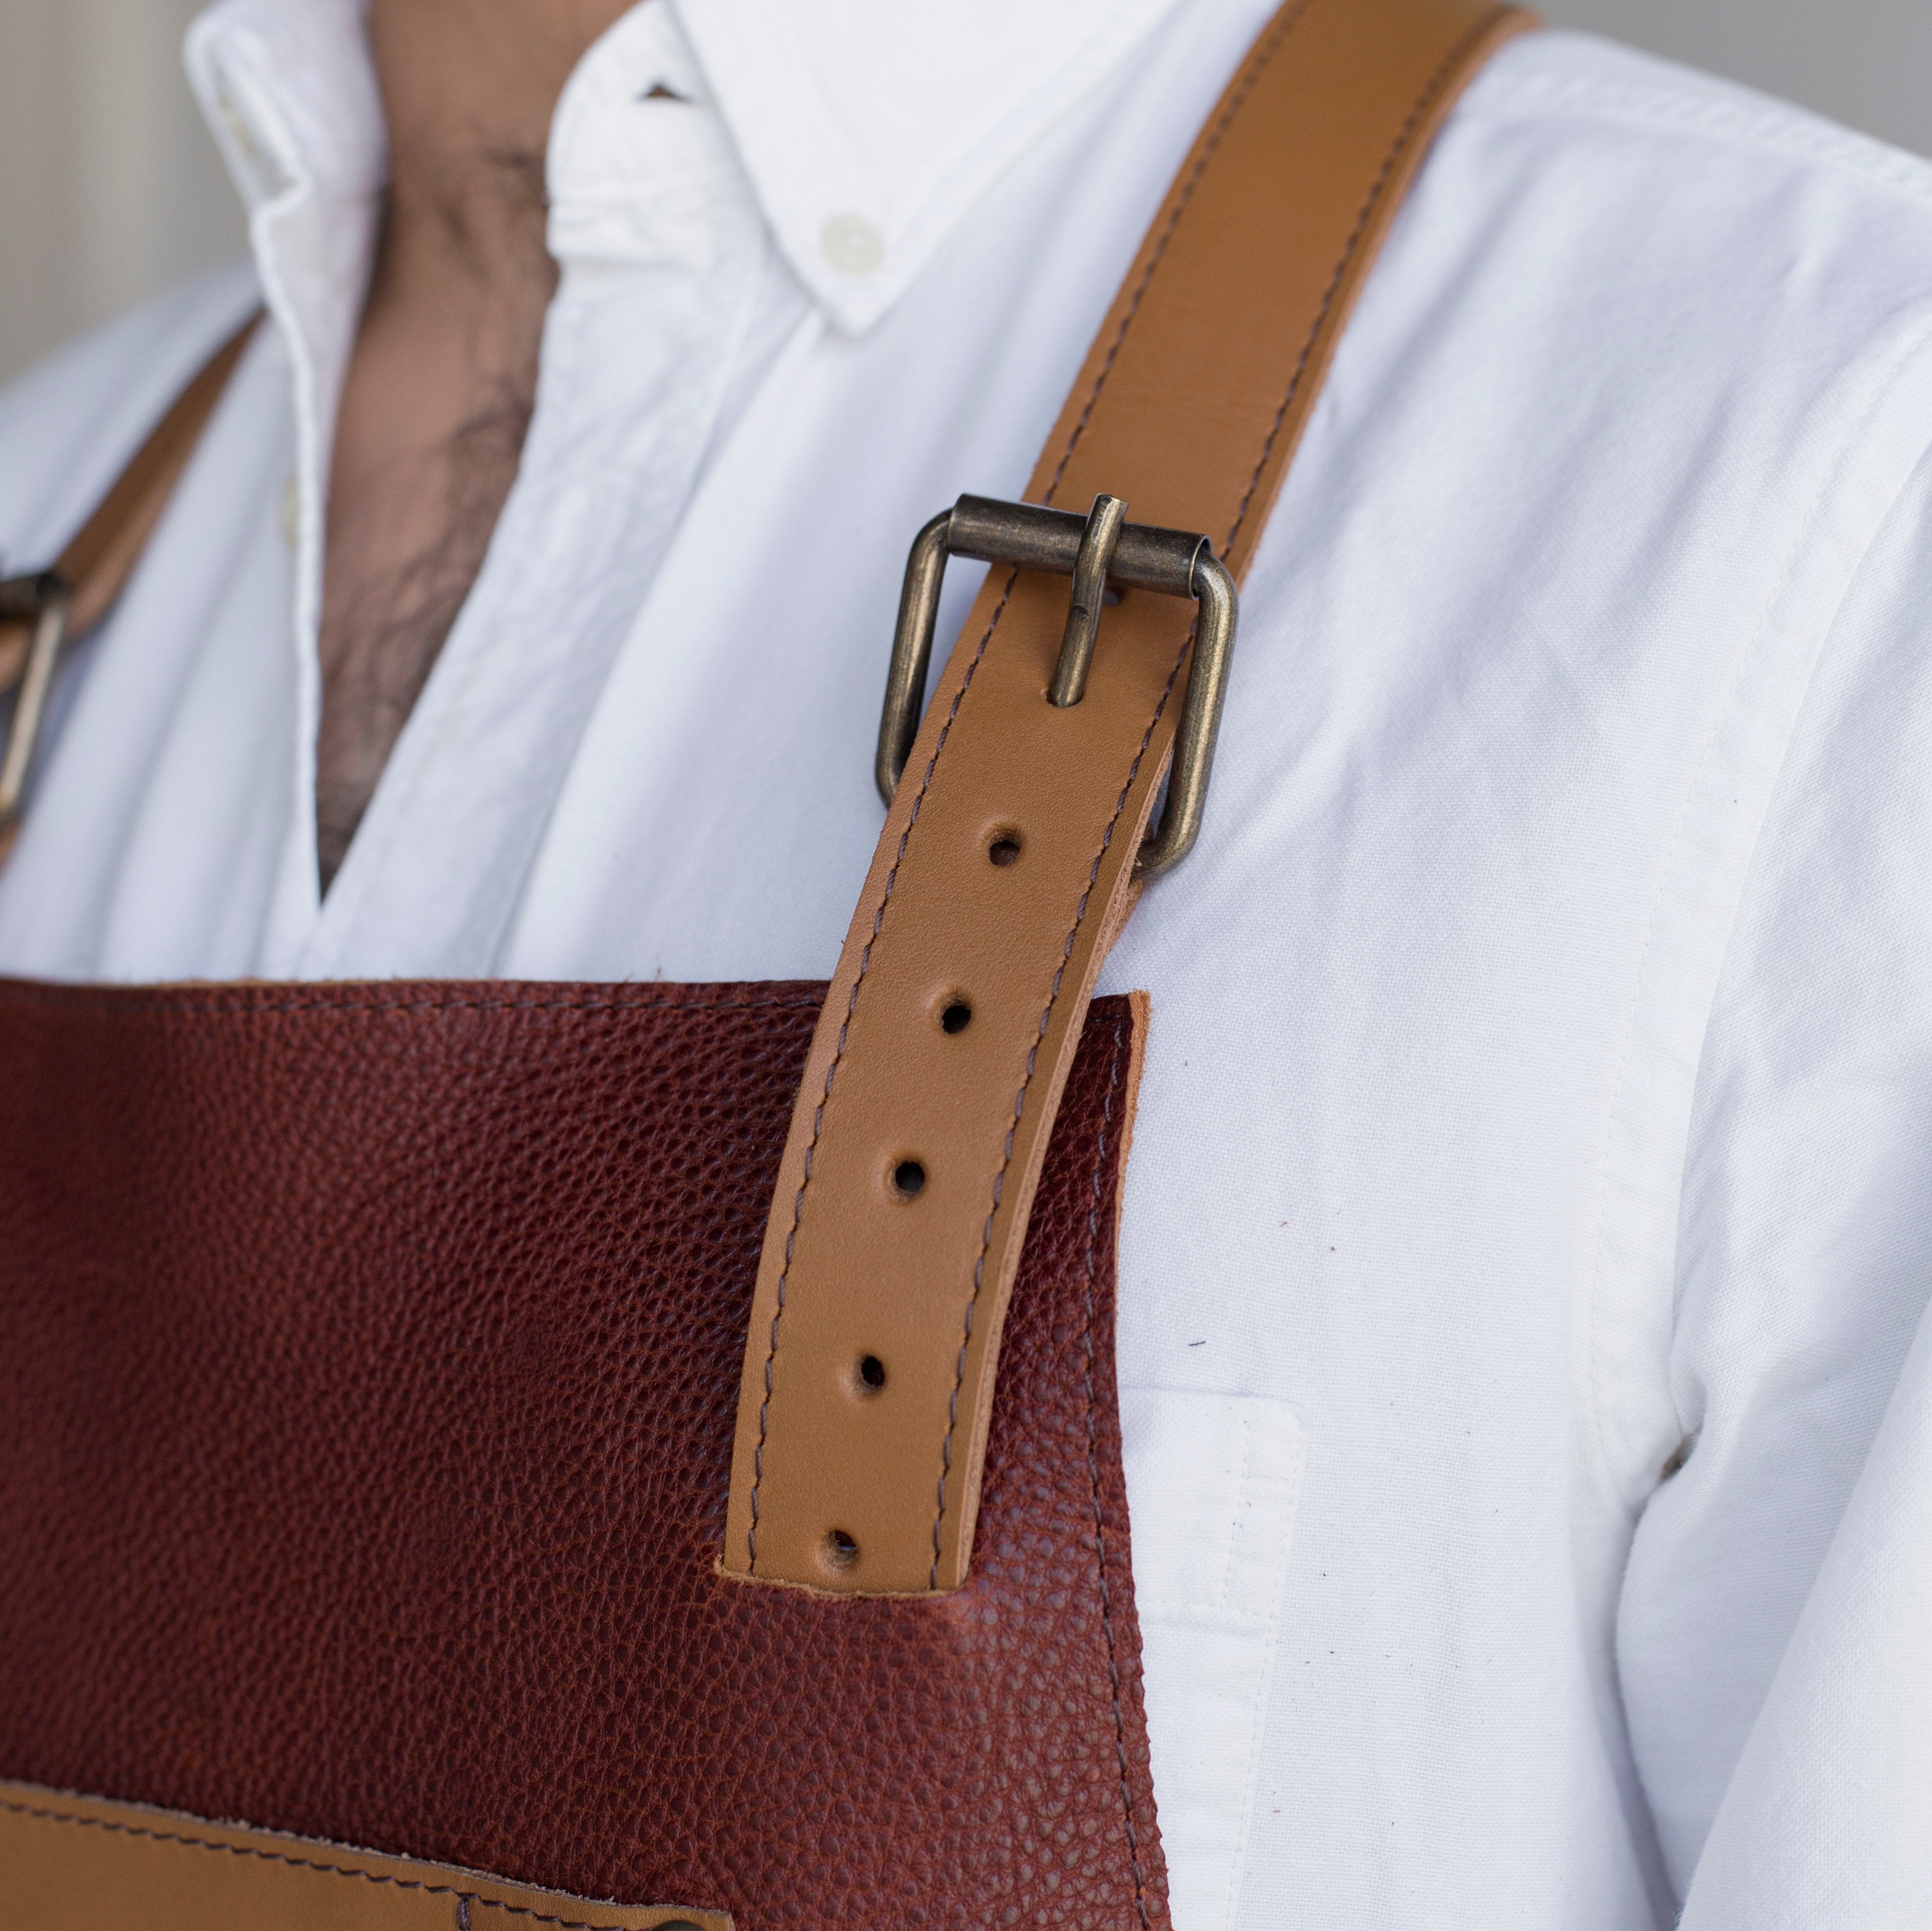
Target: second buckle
40,603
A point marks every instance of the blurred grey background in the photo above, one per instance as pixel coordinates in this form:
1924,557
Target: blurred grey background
109,188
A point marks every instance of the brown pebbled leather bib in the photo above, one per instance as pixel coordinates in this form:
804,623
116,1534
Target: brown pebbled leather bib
658,1446
368,1360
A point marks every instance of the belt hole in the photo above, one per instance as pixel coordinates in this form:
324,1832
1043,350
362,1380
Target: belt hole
956,1018
838,1550
908,1178
1005,848
872,1374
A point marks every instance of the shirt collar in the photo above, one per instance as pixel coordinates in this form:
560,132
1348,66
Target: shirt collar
868,128
290,97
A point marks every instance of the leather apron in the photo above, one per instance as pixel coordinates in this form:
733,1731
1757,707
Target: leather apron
434,1417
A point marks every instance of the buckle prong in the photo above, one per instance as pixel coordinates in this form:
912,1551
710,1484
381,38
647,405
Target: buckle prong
1094,551
1098,542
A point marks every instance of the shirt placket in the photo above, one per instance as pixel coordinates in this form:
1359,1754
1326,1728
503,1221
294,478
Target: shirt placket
660,246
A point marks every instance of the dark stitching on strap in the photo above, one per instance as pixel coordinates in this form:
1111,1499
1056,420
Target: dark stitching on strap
832,1070
1431,90
1257,66
1259,60
49,1816
1121,1029
1019,1103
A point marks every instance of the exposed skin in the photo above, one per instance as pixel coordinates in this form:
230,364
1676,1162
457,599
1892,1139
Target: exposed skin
441,385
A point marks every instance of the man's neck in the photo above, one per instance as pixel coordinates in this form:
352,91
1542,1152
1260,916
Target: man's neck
441,387
469,88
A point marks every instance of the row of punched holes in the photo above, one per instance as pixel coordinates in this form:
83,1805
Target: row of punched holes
840,1551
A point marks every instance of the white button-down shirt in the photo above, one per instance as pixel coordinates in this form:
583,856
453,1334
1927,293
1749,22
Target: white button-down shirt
1530,1219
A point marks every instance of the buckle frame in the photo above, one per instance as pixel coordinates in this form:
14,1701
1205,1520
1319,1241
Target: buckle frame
1094,551
42,603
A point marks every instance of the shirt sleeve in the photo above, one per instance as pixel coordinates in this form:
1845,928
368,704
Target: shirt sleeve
1772,1634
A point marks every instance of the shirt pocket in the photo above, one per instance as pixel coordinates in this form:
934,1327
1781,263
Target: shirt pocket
1213,1481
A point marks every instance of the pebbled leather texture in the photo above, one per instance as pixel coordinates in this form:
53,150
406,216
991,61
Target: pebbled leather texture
369,1362
1190,406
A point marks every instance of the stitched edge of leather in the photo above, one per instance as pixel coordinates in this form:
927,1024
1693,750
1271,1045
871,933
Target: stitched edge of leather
1252,74
1446,71
1431,92
114,1827
1255,67
838,1058
1019,1108
1259,59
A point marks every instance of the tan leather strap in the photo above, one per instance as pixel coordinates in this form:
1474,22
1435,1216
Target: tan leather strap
79,1863
94,569
1004,870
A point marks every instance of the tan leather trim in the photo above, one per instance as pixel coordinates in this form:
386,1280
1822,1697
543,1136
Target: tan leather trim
1275,218
102,557
14,639
80,1863
1141,1005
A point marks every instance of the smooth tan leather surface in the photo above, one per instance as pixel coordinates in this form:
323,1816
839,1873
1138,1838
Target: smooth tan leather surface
1190,406
102,557
76,1864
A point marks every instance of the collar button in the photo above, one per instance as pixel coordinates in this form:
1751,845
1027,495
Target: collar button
852,244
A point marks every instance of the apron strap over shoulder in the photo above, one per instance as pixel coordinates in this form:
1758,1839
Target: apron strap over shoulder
1008,862
1016,842
45,614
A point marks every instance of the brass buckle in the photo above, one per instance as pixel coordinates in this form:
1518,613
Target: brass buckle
1094,551
41,604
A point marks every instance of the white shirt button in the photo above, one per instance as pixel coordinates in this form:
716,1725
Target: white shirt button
852,244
